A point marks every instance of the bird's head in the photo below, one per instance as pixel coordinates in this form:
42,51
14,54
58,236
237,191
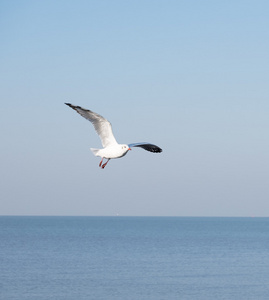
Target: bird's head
125,147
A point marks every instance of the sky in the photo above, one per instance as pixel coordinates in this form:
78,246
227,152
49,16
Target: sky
189,76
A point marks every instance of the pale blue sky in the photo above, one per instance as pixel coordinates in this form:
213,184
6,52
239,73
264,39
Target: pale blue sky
189,76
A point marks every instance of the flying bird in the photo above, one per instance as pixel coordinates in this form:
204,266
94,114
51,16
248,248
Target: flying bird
111,148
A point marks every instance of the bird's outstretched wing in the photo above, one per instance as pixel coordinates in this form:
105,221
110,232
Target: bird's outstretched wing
101,125
147,146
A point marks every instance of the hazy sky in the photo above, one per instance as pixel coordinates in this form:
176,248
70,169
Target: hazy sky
189,76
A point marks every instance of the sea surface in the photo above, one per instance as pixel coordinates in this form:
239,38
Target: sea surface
133,258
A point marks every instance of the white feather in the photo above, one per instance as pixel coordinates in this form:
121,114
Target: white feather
101,125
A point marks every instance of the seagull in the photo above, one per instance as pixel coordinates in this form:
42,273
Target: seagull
111,148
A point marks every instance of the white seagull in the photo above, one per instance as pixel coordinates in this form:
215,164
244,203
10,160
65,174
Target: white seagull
103,128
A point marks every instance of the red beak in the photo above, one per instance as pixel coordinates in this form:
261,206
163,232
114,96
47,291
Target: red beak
129,149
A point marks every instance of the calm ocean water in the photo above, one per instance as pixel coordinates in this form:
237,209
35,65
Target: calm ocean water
133,258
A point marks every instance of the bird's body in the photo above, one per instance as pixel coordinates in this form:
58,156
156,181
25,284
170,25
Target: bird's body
114,151
104,129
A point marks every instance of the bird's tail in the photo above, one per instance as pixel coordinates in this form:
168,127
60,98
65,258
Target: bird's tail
95,151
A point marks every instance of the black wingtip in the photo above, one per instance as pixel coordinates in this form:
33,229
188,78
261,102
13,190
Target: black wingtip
148,147
74,106
157,150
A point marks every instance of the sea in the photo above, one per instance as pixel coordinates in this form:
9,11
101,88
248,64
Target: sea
133,258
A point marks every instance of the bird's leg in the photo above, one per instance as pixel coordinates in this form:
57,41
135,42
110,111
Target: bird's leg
101,162
105,163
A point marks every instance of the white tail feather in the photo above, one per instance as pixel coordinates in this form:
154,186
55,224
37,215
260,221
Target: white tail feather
95,151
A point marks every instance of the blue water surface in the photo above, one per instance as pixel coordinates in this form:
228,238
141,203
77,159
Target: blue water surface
133,258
